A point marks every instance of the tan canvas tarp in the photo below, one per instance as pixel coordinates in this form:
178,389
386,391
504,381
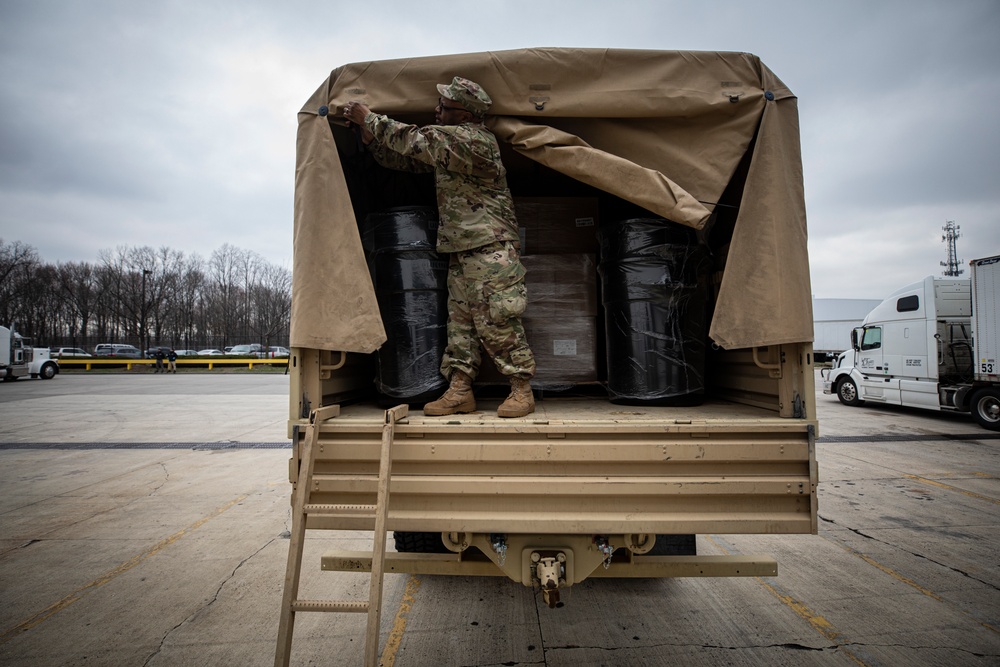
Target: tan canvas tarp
663,129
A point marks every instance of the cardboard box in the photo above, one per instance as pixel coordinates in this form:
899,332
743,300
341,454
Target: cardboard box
565,352
560,321
561,285
557,225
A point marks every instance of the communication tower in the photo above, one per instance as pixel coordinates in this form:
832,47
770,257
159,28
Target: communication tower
950,235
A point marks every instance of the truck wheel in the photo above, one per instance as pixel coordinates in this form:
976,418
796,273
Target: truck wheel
674,545
419,543
48,371
985,408
847,392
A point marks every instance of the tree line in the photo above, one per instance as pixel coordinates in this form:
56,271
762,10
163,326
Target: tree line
145,297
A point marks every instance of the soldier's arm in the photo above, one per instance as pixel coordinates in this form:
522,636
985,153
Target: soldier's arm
358,113
430,146
393,160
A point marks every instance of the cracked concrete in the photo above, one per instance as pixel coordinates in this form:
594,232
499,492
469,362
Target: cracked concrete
915,554
198,612
176,557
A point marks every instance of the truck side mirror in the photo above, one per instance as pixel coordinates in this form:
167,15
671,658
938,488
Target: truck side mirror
855,335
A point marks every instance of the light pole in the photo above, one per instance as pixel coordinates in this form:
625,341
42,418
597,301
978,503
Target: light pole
142,312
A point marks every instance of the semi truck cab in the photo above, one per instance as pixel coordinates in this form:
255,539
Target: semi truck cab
917,348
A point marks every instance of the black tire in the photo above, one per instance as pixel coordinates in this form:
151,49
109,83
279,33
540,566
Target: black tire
419,543
48,371
674,545
985,408
847,392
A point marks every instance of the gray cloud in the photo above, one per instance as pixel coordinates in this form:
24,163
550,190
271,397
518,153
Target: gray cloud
174,123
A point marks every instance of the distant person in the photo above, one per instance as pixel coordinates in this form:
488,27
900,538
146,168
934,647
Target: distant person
159,360
172,359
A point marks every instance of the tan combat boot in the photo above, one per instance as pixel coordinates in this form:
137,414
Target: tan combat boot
458,398
521,400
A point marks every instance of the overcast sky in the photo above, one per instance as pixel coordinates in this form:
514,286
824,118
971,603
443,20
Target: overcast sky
173,123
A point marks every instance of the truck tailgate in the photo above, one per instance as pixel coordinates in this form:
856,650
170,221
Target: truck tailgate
578,465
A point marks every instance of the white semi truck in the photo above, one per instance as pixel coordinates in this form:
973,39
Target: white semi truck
932,344
18,359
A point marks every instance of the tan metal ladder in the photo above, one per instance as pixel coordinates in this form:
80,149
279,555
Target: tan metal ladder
302,508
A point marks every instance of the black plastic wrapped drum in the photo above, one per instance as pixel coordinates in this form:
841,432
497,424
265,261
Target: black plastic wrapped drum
655,312
410,281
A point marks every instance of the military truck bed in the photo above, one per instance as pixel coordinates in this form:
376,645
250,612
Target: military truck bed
577,465
584,409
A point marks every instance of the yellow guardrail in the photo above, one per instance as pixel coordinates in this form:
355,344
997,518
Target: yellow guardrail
211,362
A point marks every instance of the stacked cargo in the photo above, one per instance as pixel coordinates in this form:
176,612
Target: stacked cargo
654,303
410,280
655,299
558,249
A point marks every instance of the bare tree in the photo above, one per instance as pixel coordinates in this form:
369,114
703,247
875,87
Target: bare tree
162,288
79,289
132,292
15,256
37,292
272,303
225,299
186,327
18,263
120,305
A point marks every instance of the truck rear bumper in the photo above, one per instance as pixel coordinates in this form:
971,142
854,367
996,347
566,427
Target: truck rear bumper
636,566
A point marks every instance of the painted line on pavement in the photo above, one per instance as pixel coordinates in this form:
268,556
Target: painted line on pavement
388,658
815,620
56,607
903,579
949,487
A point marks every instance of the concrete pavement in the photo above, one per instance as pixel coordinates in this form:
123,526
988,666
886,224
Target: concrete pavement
144,519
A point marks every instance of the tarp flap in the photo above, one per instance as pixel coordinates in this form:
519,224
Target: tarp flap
665,130
765,297
333,301
570,155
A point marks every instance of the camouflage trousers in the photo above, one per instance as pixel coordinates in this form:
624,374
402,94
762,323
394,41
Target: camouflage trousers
486,298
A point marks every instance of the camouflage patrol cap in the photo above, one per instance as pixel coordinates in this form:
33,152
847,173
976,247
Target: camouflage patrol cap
467,93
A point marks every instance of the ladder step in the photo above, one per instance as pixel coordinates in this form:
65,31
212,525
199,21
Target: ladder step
340,510
345,514
346,606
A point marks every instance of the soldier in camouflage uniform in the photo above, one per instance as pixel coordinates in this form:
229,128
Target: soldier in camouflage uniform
478,230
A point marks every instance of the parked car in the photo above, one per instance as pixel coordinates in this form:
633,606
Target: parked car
68,352
186,353
117,350
211,353
151,352
250,350
275,351
229,348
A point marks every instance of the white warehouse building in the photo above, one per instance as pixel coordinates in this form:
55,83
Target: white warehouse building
833,320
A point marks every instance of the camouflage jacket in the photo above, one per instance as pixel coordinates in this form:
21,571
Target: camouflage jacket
474,204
